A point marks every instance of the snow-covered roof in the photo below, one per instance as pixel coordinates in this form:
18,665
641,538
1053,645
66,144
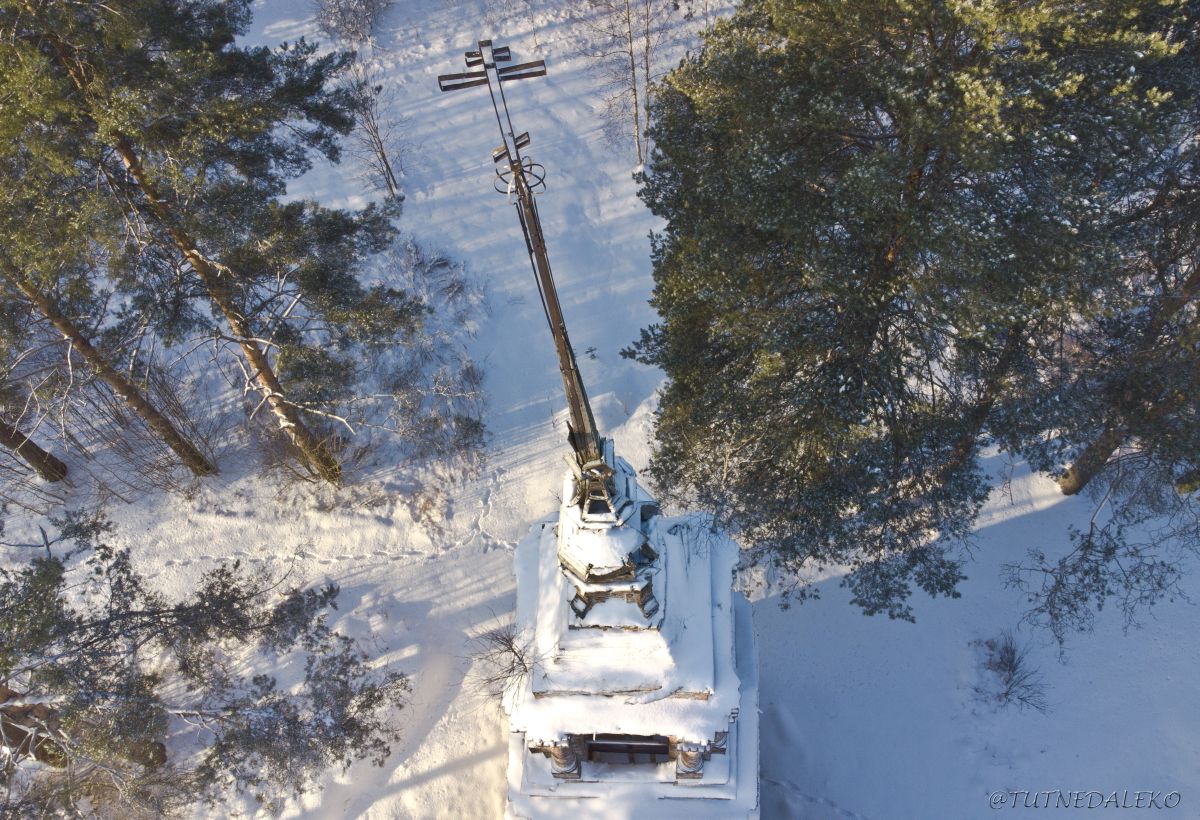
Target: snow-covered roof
597,550
728,789
678,679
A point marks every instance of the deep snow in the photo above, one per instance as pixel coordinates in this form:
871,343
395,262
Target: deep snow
861,717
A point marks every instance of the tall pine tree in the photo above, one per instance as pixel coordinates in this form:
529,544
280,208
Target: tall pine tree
196,137
56,227
879,218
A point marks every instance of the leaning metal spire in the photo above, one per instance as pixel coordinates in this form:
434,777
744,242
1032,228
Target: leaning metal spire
520,176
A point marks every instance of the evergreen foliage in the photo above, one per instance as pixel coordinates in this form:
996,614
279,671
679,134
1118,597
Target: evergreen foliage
898,232
99,670
163,149
51,255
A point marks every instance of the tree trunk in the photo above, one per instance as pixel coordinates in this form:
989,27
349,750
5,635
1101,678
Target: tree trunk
1092,460
46,465
632,51
314,451
979,413
1096,454
1189,482
156,421
648,10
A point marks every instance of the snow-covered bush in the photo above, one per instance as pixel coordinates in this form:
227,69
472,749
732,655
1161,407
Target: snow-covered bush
350,21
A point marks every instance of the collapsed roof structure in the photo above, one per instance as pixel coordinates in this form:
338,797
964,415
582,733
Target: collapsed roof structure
641,689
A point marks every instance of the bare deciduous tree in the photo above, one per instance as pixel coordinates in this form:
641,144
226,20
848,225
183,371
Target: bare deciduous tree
627,36
375,139
423,396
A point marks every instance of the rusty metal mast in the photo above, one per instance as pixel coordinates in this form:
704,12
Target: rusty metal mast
520,176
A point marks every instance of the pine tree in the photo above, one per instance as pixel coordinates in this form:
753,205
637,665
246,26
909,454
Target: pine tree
39,267
195,137
99,669
45,464
51,254
879,217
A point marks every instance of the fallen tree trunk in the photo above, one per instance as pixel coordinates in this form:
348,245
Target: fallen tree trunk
314,452
188,453
46,465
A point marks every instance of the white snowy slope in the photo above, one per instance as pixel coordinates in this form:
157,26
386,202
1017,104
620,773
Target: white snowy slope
861,717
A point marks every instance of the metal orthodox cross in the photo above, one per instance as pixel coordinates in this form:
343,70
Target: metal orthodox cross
519,175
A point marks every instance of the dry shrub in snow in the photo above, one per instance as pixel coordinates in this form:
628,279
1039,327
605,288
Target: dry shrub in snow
504,660
1009,676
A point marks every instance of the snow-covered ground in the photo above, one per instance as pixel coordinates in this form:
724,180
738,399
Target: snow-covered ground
861,717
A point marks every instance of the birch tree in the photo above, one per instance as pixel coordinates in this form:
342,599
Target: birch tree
376,134
626,36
